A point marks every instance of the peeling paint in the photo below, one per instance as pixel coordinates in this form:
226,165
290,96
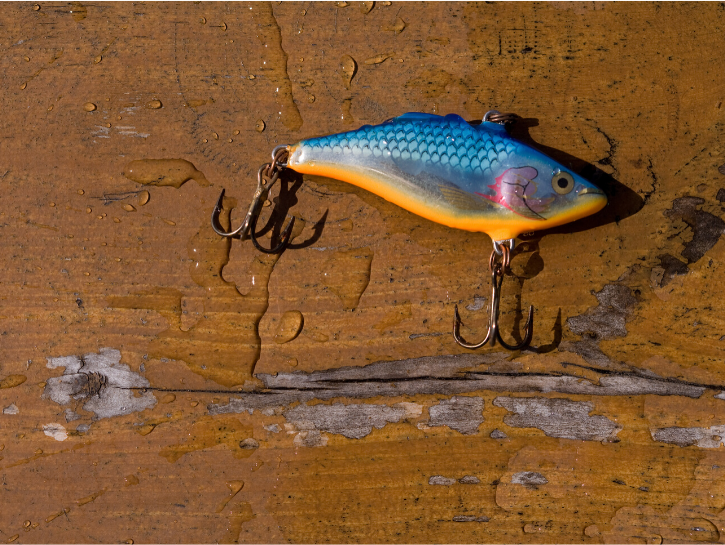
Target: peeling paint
312,438
441,480
462,414
446,375
711,437
558,418
107,385
56,431
352,421
529,479
11,409
706,228
498,434
605,321
469,479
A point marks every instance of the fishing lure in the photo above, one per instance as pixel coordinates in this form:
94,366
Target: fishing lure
472,177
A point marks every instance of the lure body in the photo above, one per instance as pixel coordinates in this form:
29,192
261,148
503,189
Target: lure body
475,178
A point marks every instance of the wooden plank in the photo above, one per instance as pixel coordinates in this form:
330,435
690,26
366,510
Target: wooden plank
151,383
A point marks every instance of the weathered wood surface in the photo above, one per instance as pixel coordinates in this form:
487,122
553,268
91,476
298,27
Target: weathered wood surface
149,387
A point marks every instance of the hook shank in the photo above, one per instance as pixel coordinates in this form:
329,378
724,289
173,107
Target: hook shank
494,334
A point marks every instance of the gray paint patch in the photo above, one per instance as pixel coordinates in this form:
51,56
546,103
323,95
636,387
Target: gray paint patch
311,438
106,385
469,479
711,437
558,418
498,434
470,518
529,479
605,321
447,375
441,480
706,228
352,421
11,409
462,414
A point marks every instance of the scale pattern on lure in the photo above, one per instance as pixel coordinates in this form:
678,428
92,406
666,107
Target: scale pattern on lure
468,177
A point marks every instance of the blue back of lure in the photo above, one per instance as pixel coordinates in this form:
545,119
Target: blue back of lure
476,178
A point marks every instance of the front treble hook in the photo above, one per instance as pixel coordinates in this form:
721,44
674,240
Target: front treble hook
267,176
494,334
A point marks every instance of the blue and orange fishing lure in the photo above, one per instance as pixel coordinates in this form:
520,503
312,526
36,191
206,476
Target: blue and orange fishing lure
472,177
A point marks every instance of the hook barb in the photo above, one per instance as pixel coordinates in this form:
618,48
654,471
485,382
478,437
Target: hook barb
494,334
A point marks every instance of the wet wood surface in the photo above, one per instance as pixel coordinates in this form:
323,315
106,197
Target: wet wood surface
161,384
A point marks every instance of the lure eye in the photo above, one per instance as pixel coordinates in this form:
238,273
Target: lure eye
562,182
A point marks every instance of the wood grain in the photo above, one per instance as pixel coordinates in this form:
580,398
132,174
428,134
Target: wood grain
160,384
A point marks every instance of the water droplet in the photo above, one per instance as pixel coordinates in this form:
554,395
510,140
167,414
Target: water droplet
230,140
163,172
13,538
36,7
289,326
118,117
194,403
168,398
267,202
292,362
377,59
215,136
348,66
347,275
99,217
260,126
26,58
236,132
129,541
98,59
131,480
154,104
223,26
205,140
311,98
89,210
26,524
108,125
81,192
52,205
386,3
397,27
252,76
341,4
304,12
169,222
143,197
23,86
89,106
347,118
202,20
129,208
78,11
116,220
365,7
